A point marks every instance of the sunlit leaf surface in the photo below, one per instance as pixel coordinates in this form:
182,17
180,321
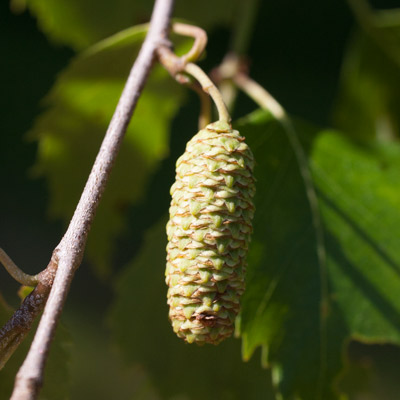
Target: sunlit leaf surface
368,99
80,23
302,308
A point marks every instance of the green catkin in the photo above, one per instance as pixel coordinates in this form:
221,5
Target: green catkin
208,234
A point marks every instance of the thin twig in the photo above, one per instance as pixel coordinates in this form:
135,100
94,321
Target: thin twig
200,40
19,325
71,248
15,272
209,87
205,105
264,99
245,22
222,76
245,16
177,65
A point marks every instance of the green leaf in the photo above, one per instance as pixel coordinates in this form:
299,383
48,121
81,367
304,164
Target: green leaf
139,320
305,299
304,302
70,130
367,105
80,23
372,372
381,25
83,23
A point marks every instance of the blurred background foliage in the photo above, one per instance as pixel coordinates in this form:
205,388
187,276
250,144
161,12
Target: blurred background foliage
327,327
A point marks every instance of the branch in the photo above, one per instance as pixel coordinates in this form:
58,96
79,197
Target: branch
15,330
15,272
200,40
176,66
69,251
205,106
209,87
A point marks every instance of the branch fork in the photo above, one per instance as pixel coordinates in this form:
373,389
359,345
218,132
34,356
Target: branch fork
53,283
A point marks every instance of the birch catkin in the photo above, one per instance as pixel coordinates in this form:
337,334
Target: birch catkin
208,234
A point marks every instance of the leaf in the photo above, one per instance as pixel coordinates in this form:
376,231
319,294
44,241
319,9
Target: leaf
80,23
70,130
139,321
381,25
56,379
367,105
300,311
24,291
372,372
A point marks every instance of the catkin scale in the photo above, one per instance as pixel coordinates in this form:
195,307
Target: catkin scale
208,232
